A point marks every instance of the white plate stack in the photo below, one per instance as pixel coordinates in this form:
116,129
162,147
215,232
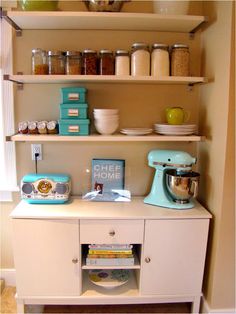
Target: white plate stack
106,121
169,129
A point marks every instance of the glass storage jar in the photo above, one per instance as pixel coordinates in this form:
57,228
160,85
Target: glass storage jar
73,62
160,62
140,60
122,62
39,61
56,62
106,62
180,60
89,62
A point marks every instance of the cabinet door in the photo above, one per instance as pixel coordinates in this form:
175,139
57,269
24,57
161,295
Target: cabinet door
43,254
174,256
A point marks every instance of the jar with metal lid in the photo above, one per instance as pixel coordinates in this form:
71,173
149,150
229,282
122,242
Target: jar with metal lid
89,62
160,62
73,62
52,127
122,62
23,127
32,127
106,62
42,127
56,62
140,60
39,61
180,60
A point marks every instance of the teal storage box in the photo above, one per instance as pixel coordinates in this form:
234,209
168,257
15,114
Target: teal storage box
73,111
74,127
76,95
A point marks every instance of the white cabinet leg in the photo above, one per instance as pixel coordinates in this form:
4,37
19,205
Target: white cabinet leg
20,307
196,305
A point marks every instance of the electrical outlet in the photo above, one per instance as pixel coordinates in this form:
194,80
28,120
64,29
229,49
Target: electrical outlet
36,149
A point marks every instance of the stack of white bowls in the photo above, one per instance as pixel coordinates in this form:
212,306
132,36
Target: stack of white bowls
106,121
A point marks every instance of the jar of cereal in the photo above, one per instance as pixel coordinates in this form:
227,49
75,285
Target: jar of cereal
89,62
73,62
56,62
160,63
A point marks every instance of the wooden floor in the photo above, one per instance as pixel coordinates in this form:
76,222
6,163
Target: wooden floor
8,306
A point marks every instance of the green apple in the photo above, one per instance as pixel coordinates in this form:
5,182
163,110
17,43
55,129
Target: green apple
38,5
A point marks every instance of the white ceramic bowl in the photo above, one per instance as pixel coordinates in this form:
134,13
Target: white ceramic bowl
106,118
106,111
106,128
171,7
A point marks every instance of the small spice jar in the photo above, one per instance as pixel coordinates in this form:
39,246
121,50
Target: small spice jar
180,60
23,127
140,60
122,62
39,61
52,127
56,62
106,62
32,126
73,62
160,62
89,62
42,127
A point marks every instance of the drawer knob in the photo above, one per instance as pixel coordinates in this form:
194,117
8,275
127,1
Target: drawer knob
75,260
147,260
112,233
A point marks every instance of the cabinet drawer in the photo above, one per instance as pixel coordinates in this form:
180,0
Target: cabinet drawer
111,231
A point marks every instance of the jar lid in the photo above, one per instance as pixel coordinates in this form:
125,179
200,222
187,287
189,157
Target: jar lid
160,46
89,51
72,53
180,46
137,46
35,50
122,52
55,53
104,51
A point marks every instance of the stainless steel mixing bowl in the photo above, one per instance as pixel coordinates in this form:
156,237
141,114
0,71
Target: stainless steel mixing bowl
105,5
182,186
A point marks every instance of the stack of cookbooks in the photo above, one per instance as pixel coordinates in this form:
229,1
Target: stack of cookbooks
110,255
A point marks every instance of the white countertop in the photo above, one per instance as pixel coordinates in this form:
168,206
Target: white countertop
77,208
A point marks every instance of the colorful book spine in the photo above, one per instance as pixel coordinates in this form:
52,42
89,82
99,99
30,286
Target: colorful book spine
110,252
110,246
110,262
110,255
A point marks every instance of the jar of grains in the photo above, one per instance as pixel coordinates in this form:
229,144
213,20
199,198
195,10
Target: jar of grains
56,62
39,61
140,60
122,63
89,62
73,62
180,60
160,62
106,62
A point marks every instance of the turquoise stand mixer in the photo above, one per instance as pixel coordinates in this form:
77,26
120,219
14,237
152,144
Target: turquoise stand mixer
175,184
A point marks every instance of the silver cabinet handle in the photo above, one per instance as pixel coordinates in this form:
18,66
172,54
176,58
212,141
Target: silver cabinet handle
147,260
75,260
112,233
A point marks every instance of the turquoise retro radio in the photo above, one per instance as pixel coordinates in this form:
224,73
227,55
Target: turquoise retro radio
45,188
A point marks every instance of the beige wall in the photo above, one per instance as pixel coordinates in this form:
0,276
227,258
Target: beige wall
216,155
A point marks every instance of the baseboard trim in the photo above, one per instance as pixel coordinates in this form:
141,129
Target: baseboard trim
9,275
205,308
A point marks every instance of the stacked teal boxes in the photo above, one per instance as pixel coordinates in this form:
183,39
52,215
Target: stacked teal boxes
73,112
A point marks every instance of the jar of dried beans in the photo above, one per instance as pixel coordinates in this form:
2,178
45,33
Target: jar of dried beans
39,61
73,62
106,62
89,62
140,60
180,60
56,62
